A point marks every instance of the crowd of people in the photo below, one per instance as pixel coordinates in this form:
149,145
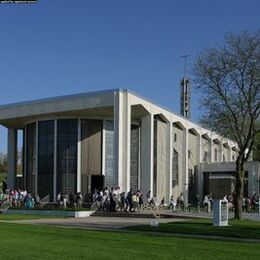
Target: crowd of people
248,204
19,198
69,200
114,199
251,203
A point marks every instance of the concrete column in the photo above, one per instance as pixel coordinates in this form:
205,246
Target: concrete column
186,164
12,157
79,157
147,140
55,163
122,133
169,161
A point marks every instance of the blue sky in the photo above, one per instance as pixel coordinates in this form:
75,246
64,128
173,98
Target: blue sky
59,47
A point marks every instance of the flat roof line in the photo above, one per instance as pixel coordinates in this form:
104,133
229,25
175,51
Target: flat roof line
85,94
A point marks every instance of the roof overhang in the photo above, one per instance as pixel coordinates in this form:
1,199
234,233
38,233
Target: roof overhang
16,115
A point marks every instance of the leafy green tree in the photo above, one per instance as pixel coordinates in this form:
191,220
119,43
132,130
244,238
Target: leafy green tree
3,163
228,77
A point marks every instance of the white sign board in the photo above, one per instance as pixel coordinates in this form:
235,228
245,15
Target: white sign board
220,213
154,222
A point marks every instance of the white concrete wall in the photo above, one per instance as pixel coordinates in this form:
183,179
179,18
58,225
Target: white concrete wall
161,168
122,131
146,156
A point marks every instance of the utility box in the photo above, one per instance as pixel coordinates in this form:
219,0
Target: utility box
220,213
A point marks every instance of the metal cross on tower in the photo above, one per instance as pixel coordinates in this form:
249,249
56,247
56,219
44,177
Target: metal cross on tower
185,56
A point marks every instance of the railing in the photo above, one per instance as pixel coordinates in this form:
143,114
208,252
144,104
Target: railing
6,205
95,206
45,200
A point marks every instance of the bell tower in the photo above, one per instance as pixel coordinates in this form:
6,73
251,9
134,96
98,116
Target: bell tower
185,93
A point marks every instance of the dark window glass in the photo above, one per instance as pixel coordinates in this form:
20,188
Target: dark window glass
67,138
110,178
224,159
189,154
205,156
191,187
175,168
45,158
175,137
216,155
30,157
134,157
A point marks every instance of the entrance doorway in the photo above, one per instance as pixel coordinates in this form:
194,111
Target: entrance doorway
97,182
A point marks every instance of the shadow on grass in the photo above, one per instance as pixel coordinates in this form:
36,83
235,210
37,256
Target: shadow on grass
236,229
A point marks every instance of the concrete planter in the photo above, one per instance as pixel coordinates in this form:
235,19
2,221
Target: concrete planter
62,213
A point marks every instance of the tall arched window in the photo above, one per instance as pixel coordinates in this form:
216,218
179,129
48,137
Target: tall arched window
216,155
205,156
175,168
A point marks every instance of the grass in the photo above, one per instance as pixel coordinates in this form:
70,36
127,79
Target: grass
37,242
21,217
237,229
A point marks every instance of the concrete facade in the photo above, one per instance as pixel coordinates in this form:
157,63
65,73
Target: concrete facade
225,170
170,151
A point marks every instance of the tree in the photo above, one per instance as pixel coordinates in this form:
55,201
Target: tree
229,80
3,169
19,167
3,163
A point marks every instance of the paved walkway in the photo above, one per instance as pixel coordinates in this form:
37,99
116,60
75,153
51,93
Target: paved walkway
94,222
203,214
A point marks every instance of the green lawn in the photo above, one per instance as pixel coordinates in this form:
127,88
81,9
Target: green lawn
238,229
37,242
20,217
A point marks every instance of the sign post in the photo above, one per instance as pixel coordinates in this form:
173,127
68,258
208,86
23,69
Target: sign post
220,213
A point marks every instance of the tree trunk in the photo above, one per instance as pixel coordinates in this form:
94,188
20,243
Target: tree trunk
239,188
